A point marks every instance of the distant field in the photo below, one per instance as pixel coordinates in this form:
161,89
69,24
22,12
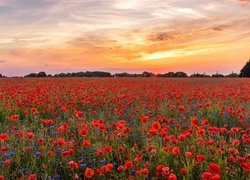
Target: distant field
125,128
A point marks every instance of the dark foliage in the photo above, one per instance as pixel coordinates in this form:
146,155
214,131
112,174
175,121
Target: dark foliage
218,75
233,75
31,75
41,74
85,74
245,71
199,75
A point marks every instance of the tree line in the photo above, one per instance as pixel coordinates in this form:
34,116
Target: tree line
245,72
125,74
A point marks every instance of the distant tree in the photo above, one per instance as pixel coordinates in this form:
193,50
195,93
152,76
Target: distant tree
49,75
124,74
85,74
180,74
31,75
245,71
199,75
232,75
1,75
62,75
147,74
41,74
217,75
80,74
169,74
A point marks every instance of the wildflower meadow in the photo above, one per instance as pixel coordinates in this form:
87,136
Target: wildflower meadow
124,128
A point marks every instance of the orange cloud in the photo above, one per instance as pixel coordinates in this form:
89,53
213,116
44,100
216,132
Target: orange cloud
217,29
163,36
243,0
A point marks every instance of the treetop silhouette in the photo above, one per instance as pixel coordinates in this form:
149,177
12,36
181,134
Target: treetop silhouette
245,71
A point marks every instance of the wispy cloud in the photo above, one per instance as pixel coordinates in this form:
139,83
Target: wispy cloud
164,36
115,33
243,0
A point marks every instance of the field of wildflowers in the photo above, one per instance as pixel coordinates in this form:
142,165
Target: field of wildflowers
124,128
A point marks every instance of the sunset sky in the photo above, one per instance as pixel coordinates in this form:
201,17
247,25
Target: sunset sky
124,36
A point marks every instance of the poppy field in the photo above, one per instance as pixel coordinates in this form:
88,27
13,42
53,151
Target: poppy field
124,128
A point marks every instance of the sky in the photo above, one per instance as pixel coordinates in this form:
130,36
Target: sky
194,36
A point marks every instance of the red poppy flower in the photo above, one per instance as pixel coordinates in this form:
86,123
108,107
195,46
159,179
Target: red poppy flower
98,172
219,151
110,167
241,159
99,152
128,165
159,168
214,168
32,177
51,153
176,150
167,149
107,149
145,171
194,122
172,177
189,154
86,143
200,158
149,148
232,159
138,173
206,176
61,141
166,172
83,132
14,118
4,148
120,149
4,136
102,127
71,151
143,119
120,168
164,132
156,125
78,113
182,137
30,135
104,168
174,141
73,165
183,171
204,122
233,151
138,157
152,131
245,166
89,173
215,177
65,154
7,162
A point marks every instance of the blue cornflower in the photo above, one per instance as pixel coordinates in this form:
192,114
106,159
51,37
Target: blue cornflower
83,165
38,154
